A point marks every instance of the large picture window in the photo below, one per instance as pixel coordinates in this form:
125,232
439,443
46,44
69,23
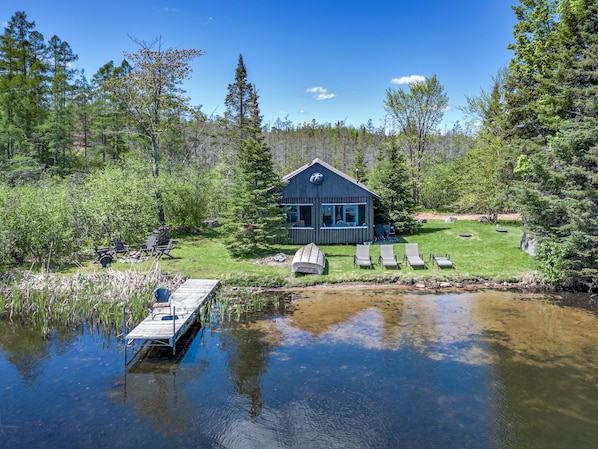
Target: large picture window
342,215
298,215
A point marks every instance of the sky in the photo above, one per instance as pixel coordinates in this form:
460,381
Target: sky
325,60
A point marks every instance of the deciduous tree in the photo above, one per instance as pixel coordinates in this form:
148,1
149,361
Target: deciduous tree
416,113
153,95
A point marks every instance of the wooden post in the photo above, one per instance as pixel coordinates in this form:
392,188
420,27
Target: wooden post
125,332
174,330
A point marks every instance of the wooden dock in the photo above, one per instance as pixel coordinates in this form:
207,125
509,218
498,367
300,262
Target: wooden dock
166,327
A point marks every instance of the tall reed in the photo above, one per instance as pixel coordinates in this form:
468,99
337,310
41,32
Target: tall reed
245,303
95,299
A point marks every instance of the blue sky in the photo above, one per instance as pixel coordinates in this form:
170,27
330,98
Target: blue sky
327,60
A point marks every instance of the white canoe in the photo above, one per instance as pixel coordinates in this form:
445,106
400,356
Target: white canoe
309,259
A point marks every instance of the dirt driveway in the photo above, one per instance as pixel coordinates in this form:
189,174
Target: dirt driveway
443,216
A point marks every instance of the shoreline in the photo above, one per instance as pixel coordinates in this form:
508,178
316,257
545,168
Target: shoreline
562,298
421,285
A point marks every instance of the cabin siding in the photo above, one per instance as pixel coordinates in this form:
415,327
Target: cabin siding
335,188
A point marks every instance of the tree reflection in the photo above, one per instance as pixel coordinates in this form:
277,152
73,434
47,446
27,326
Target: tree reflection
27,349
248,352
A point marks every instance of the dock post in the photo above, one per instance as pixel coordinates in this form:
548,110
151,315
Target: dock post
125,331
174,330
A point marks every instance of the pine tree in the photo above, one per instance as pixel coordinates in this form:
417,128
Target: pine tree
254,221
359,166
23,88
61,121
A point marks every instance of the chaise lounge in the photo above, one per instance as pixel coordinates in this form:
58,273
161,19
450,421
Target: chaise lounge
387,256
413,256
362,256
442,260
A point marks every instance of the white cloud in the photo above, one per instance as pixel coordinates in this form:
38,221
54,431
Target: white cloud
320,93
408,79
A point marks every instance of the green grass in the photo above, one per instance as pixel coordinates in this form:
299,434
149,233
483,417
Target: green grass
485,256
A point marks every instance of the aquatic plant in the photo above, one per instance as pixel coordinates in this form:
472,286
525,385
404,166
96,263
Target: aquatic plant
245,303
97,299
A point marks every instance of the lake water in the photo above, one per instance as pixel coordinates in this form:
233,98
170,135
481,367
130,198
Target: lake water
346,369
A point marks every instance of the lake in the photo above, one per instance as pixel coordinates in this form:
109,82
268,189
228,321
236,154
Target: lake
361,368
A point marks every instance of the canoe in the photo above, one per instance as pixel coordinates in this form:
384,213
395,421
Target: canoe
309,259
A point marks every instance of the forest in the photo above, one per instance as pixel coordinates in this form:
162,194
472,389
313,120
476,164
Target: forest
83,161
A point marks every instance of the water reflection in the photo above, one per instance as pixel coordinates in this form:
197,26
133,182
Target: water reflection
367,368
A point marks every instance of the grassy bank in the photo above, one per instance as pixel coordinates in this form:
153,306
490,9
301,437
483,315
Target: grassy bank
96,296
487,255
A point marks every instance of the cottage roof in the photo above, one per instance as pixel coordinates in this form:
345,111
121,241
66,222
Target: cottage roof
317,161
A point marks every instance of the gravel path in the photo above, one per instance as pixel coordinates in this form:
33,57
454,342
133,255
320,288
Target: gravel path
442,216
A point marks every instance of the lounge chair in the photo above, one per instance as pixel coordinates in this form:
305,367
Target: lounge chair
442,260
387,256
413,257
164,250
362,256
162,301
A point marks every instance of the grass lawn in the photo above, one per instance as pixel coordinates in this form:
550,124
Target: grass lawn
486,255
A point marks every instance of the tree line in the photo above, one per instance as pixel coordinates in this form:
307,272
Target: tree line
529,144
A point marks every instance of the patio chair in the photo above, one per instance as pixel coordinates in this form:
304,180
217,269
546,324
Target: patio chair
362,256
379,232
387,256
164,250
120,247
391,234
413,256
150,245
442,260
162,301
103,255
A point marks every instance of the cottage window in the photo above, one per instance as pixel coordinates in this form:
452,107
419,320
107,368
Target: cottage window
298,215
343,215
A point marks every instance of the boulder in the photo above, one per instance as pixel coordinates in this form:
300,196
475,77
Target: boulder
528,244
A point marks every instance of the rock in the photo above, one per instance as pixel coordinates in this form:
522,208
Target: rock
420,285
445,284
421,221
280,257
483,219
212,222
528,244
450,219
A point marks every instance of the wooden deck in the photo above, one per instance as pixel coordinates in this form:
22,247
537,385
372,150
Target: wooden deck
166,327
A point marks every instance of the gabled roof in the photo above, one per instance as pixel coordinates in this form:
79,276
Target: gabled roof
332,169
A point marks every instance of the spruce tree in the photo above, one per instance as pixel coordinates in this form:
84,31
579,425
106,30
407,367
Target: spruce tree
254,220
390,179
558,197
242,109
